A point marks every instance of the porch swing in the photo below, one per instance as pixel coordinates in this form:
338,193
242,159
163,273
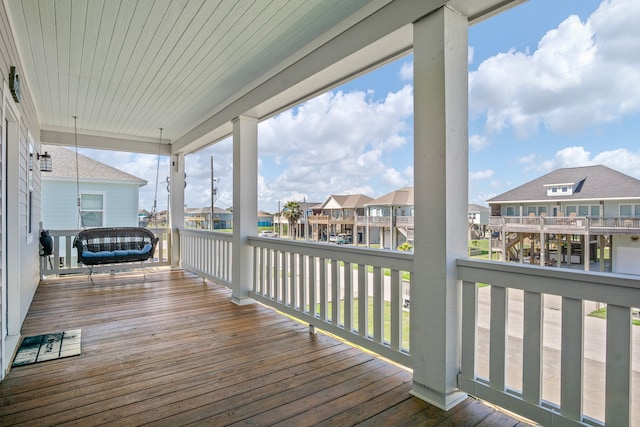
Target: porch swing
113,245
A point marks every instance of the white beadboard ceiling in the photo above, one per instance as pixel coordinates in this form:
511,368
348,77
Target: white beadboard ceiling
129,67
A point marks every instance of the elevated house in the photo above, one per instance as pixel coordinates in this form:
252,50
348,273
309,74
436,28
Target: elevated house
204,71
389,219
571,216
337,215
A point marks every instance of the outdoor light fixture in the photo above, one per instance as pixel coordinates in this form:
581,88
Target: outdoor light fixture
45,162
14,84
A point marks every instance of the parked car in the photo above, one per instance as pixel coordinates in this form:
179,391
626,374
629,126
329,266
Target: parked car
333,238
344,239
267,233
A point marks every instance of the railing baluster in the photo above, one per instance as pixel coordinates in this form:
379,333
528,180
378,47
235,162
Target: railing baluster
618,383
571,358
378,304
469,328
324,304
313,309
293,278
498,338
395,315
348,296
285,279
335,292
532,347
302,280
270,272
363,301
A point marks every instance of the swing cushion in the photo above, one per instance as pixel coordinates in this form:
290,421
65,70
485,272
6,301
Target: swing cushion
114,245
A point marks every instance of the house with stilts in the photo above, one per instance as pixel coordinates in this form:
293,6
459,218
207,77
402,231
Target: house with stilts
581,216
337,215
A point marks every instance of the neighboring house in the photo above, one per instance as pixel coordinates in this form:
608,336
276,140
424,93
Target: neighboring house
478,221
108,196
569,216
201,217
337,215
265,219
389,219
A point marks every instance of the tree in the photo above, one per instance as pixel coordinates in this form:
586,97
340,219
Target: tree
292,212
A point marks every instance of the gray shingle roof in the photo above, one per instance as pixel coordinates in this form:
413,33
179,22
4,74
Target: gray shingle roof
401,197
599,182
64,167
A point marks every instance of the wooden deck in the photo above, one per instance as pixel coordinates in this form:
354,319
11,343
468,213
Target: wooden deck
173,350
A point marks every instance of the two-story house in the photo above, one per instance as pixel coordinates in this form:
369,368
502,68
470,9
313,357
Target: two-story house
337,215
581,215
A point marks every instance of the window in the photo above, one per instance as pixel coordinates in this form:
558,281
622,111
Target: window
565,189
554,189
630,210
92,210
572,209
511,211
588,210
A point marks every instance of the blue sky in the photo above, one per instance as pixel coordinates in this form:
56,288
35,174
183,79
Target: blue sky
551,84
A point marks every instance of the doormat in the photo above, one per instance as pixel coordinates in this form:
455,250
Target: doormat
40,348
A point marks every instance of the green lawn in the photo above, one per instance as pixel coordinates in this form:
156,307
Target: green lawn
387,323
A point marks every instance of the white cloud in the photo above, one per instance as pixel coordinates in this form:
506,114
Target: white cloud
621,159
479,175
580,75
470,53
406,72
527,159
334,144
478,142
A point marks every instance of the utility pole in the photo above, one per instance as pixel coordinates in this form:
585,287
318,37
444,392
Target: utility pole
213,196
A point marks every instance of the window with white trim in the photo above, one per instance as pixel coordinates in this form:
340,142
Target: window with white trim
92,209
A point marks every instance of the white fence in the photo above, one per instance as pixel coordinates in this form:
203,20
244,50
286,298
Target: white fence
357,294
556,367
65,257
207,253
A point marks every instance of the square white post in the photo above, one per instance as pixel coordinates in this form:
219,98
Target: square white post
245,206
176,205
441,194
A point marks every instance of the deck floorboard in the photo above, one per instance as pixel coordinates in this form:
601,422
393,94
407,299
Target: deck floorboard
173,351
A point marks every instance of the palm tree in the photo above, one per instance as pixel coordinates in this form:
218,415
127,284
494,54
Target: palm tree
292,212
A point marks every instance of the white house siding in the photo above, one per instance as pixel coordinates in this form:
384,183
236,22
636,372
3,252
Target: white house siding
19,282
61,207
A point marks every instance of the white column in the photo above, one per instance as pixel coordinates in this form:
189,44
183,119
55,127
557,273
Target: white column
176,205
441,198
245,206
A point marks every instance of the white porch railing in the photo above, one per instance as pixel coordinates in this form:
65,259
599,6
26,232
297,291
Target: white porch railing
324,285
65,258
207,253
569,369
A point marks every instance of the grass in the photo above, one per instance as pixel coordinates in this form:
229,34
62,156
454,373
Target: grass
386,329
602,314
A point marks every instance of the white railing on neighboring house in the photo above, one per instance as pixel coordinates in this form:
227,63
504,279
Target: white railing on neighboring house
65,258
207,253
323,285
554,366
